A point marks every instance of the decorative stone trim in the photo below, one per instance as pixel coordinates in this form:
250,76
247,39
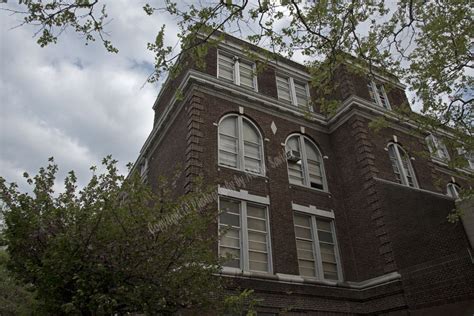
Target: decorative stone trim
193,165
368,171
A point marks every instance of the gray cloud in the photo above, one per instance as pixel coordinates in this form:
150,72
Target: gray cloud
74,102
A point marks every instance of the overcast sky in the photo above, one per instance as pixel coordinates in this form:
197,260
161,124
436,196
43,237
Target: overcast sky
74,102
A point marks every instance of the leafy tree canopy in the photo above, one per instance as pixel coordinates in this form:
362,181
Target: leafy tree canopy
112,247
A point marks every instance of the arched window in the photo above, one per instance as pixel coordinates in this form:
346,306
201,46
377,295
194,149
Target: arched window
453,190
401,165
240,144
305,164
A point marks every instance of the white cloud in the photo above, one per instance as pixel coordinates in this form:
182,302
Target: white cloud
74,102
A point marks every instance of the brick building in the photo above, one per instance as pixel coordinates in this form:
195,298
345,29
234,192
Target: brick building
323,215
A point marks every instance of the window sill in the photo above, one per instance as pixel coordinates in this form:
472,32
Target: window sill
247,173
297,186
234,272
415,189
233,82
439,161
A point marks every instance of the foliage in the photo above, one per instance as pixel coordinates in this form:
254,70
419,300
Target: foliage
15,299
91,251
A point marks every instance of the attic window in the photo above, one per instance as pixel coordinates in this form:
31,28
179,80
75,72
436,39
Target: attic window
378,95
235,69
292,91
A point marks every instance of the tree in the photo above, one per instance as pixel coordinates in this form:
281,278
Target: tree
112,247
15,299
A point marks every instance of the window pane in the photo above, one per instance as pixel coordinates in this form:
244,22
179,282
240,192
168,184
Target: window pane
253,165
303,232
293,144
253,245
234,253
230,219
307,272
257,256
229,206
295,172
258,266
228,159
325,236
246,74
252,150
302,220
250,133
394,161
226,67
228,126
371,92
230,241
256,224
256,211
228,143
257,237
307,268
301,93
283,88
305,254
324,225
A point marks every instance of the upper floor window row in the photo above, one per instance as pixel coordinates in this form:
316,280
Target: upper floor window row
401,165
240,144
237,70
378,95
293,91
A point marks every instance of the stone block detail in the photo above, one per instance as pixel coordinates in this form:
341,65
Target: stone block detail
194,136
366,162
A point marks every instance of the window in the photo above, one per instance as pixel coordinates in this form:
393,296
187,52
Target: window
144,169
437,148
378,95
316,247
401,165
236,70
292,91
244,235
240,144
453,190
305,164
469,156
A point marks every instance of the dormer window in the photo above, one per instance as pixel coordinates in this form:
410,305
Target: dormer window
378,95
292,91
437,148
235,69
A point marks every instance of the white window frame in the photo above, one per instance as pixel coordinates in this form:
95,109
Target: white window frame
375,91
453,187
236,59
403,174
240,145
437,148
315,213
243,197
304,159
291,85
